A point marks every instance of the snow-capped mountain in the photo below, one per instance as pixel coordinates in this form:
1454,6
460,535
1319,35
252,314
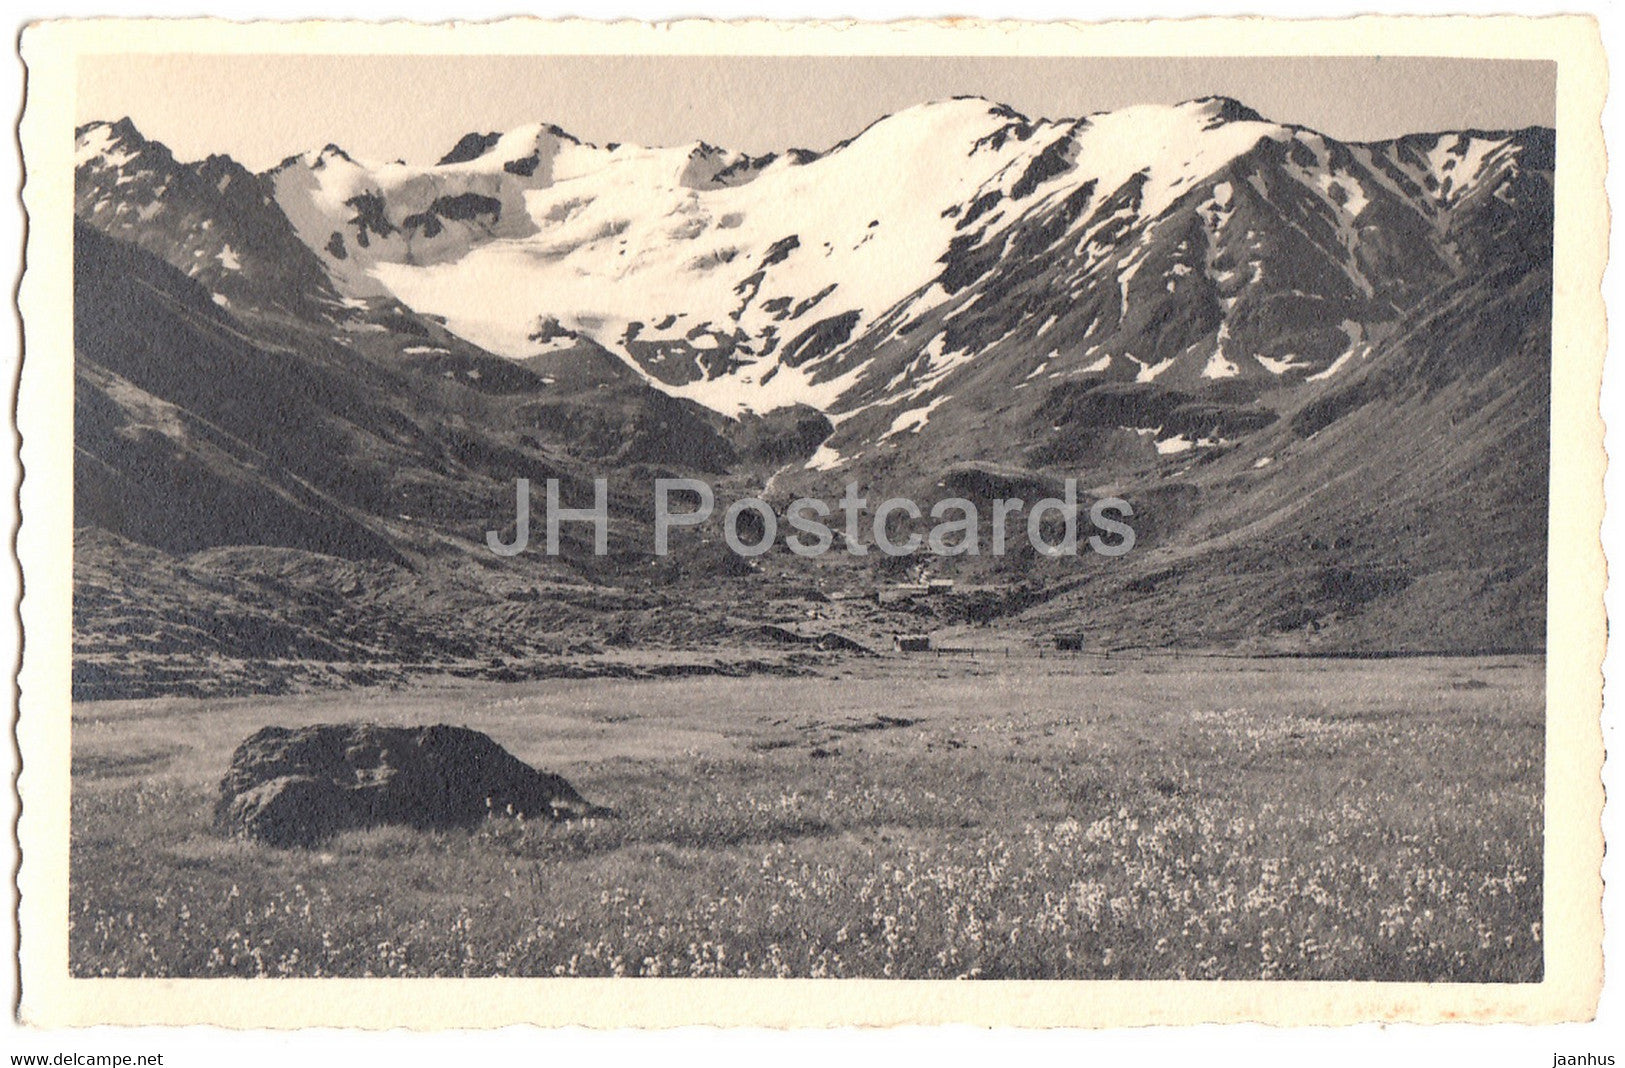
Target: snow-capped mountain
212,219
1190,245
956,277
1317,369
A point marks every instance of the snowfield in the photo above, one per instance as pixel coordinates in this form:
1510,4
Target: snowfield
749,284
665,255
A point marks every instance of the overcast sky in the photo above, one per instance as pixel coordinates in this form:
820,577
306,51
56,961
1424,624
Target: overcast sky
260,109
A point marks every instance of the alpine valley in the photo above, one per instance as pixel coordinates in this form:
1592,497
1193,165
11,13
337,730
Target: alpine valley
1319,371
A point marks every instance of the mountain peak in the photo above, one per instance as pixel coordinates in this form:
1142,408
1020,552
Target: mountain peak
969,105
125,129
965,119
115,143
122,132
470,146
509,147
993,107
1220,109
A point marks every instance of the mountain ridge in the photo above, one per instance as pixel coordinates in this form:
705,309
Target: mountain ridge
1319,370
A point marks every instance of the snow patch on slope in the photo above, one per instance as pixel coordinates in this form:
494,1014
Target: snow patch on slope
914,419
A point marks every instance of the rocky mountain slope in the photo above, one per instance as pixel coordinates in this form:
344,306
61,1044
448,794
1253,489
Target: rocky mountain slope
1318,370
1191,244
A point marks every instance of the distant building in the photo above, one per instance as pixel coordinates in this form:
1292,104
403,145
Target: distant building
912,643
1069,643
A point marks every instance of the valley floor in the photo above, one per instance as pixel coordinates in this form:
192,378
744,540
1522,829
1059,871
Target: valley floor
1004,817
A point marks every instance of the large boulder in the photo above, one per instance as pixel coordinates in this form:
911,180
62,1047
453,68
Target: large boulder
296,786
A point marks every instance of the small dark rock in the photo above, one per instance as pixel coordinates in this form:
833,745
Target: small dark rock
298,786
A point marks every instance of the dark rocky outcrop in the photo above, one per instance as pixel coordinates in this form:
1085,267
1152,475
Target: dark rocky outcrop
465,207
470,146
297,786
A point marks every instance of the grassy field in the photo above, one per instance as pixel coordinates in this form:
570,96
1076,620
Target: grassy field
914,818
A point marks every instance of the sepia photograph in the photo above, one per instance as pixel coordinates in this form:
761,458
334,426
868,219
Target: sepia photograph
589,514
